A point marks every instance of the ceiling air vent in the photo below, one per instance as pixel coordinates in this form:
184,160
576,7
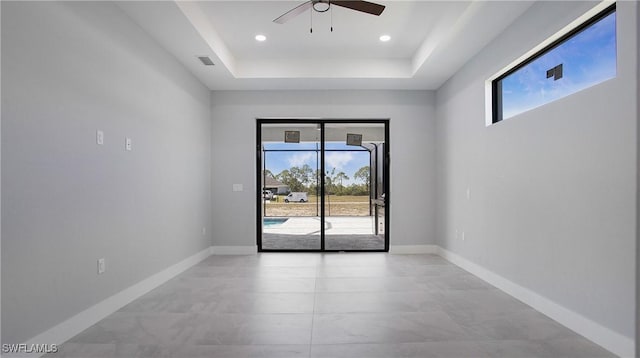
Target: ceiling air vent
205,60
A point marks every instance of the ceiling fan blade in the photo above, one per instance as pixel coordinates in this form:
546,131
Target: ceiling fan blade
293,12
364,6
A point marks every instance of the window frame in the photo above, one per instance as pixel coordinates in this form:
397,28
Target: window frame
496,83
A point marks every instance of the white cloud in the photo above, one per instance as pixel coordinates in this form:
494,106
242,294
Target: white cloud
338,160
300,159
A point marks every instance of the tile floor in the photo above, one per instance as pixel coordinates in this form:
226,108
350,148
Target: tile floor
327,305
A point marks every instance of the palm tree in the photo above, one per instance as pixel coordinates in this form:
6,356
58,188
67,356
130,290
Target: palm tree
341,176
363,174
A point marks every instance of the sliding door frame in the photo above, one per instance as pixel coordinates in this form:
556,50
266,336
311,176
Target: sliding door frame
321,122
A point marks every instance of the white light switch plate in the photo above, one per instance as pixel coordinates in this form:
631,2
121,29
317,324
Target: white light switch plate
102,267
127,144
237,187
99,137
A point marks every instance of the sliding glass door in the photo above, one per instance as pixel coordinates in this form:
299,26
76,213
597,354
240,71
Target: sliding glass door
322,185
289,185
349,187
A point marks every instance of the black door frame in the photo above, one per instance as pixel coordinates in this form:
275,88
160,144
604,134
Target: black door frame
321,122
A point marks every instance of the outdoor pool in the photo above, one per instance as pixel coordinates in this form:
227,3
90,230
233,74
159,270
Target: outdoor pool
271,222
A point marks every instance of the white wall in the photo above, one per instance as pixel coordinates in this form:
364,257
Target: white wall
68,69
412,148
552,204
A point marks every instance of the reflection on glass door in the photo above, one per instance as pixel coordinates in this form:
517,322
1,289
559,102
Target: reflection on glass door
322,185
290,187
354,186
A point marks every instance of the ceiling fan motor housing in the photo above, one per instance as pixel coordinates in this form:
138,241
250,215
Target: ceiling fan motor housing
321,5
325,5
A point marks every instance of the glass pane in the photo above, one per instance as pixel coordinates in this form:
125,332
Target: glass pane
291,213
291,146
353,181
342,146
581,61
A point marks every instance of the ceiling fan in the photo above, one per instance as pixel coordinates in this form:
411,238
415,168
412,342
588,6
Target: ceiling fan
325,5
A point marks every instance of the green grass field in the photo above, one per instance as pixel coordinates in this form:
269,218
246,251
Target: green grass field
347,205
333,198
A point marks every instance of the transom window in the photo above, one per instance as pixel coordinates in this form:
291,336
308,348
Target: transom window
580,59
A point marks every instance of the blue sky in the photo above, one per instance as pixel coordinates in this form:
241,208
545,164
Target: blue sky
588,58
347,162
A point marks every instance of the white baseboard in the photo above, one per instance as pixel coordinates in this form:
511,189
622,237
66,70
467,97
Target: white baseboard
234,250
413,249
92,315
615,342
610,340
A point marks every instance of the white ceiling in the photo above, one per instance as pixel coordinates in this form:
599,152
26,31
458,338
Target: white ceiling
430,41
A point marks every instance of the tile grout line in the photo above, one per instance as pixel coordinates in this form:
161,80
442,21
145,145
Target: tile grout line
313,312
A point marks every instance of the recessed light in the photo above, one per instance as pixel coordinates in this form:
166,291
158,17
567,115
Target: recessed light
261,38
385,38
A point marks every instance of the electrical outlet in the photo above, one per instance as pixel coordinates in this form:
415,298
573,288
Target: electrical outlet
102,266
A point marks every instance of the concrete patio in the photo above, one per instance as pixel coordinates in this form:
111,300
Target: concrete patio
341,233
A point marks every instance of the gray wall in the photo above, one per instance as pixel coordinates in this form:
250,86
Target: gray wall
69,69
638,197
552,204
0,174
412,150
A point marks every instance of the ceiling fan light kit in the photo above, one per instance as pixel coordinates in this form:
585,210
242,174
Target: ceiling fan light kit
325,5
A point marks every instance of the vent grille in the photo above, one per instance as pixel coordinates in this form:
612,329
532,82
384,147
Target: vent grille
205,60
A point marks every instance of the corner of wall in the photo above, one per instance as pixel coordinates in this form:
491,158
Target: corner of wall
0,178
637,186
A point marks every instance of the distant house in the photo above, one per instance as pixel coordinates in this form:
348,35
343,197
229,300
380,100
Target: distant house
275,186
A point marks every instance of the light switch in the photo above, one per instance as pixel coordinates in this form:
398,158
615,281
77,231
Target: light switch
99,137
237,187
127,144
102,266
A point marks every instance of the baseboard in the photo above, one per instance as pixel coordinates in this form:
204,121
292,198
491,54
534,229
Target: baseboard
413,249
610,340
234,250
85,319
615,342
